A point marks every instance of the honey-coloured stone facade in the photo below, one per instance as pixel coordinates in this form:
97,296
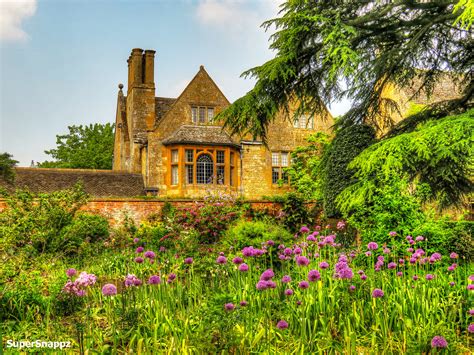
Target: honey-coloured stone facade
156,135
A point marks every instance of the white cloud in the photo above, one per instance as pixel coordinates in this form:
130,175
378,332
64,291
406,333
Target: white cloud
236,15
12,13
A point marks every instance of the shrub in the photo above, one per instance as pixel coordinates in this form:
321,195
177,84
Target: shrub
346,145
84,229
39,219
294,210
245,233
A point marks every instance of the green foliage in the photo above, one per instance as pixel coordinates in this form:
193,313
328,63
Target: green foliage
295,213
84,147
39,220
436,159
465,9
255,233
306,170
6,167
346,145
368,46
84,229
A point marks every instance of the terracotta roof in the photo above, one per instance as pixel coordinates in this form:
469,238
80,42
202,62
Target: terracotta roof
193,134
97,183
162,106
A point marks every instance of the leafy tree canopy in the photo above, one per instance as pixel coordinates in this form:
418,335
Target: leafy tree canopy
7,163
85,147
323,47
436,159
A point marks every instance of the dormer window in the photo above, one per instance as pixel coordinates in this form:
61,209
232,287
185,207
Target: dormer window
202,114
304,121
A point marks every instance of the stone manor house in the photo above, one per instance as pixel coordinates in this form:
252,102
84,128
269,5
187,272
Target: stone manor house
173,147
181,151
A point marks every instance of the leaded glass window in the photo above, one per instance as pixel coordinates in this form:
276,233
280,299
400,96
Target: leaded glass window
204,169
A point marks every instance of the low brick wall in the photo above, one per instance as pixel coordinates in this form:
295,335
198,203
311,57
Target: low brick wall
117,209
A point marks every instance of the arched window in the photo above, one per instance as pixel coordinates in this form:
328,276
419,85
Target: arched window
204,169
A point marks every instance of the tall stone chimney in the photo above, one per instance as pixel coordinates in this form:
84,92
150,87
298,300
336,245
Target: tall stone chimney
140,103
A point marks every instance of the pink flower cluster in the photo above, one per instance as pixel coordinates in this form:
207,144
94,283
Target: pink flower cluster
78,287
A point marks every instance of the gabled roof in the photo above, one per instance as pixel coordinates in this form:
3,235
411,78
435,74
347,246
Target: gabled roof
206,135
166,104
162,106
97,183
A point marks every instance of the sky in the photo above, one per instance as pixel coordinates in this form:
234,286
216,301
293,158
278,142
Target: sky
62,60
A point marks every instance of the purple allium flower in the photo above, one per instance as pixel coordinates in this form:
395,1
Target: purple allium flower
311,238
162,249
229,307
267,275
435,257
188,261
81,293
352,288
314,275
288,251
303,285
471,277
288,292
149,254
323,265
412,260
377,293
471,312
138,259
297,251
386,250
380,258
363,277
368,253
154,280
401,261
221,253
340,225
302,260
281,257
429,277
408,238
248,251
298,303
259,252
282,324
410,250
286,279
71,272
109,290
243,303
243,267
139,250
136,240
399,274
360,272
392,265
415,277
271,284
372,246
392,233
84,279
452,283
453,255
171,278
132,280
221,259
270,243
470,287
439,342
329,239
304,229
419,238
261,285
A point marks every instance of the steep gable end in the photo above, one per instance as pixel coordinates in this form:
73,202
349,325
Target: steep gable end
202,91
